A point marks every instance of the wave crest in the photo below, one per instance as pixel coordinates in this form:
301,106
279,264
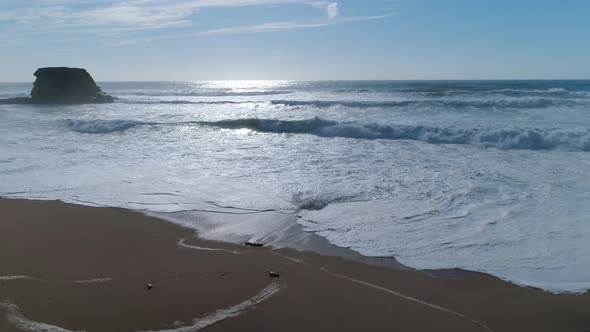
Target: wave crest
519,103
205,94
101,126
505,138
547,93
181,102
446,103
551,92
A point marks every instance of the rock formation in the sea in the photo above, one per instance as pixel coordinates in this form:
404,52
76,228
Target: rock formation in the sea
62,85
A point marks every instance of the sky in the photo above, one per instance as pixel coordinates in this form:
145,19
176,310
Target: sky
190,40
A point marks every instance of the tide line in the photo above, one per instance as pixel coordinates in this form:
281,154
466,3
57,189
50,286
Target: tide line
407,297
229,312
16,318
182,243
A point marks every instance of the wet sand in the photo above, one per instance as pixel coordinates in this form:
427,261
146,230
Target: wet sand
85,268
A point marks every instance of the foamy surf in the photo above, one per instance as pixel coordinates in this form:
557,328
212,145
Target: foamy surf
522,103
204,94
503,138
485,176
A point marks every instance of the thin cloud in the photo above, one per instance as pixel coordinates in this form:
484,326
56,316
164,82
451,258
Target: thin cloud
332,10
112,13
257,28
128,42
264,27
284,26
109,19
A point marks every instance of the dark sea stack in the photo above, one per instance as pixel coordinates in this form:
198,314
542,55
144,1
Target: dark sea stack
63,85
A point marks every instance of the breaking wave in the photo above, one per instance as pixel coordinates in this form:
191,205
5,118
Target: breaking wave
205,94
182,102
547,93
101,126
446,103
521,103
505,138
551,92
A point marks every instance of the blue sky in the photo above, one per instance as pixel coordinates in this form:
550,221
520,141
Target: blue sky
297,39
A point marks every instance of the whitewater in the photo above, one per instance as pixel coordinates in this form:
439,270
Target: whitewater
488,176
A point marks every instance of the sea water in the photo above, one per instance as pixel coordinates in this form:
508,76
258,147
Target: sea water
490,176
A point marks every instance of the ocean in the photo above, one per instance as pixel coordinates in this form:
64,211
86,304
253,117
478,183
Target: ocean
489,176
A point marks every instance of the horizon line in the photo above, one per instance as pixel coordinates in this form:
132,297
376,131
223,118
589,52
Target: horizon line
337,80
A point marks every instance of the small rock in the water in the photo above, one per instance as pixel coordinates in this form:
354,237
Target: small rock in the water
273,274
62,85
253,244
149,286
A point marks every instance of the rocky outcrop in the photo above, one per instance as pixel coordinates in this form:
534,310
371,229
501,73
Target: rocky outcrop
62,85
66,86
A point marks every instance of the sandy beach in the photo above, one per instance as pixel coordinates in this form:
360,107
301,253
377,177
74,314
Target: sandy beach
71,268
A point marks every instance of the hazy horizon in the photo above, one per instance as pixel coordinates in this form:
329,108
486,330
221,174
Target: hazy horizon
331,80
202,40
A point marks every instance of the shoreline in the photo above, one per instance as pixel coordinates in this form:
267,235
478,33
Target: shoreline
311,242
305,242
86,268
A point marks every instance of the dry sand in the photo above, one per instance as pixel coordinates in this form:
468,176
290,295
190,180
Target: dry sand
84,268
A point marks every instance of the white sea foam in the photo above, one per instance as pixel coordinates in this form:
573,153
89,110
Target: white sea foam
561,93
506,138
521,103
486,176
181,102
204,94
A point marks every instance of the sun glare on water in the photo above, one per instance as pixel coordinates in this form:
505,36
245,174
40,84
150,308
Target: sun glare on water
244,85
